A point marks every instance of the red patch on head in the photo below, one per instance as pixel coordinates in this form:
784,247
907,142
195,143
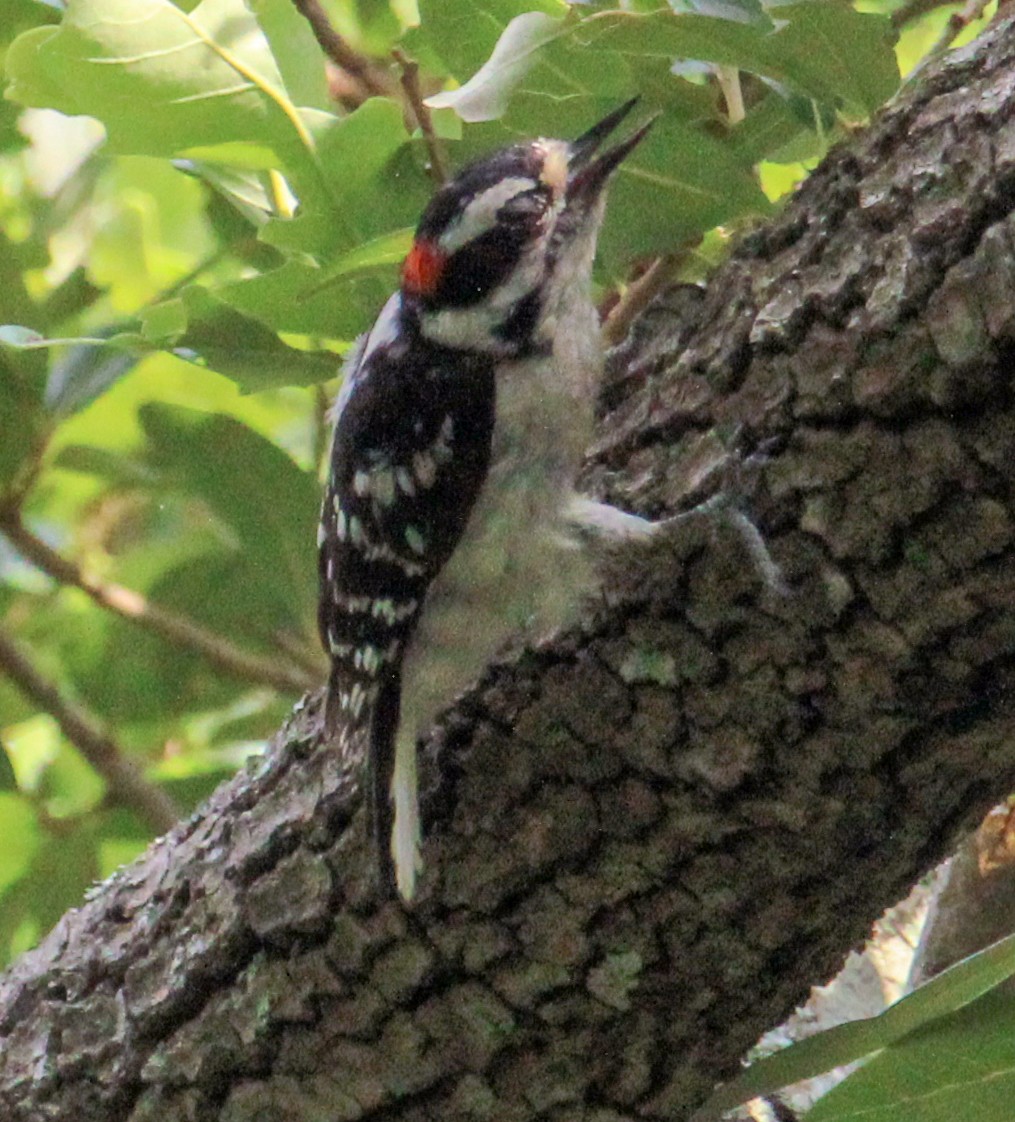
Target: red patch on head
421,272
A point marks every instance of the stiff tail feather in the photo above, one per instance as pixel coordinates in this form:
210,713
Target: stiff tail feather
390,782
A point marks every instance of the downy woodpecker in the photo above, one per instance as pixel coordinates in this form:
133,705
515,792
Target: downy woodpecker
450,520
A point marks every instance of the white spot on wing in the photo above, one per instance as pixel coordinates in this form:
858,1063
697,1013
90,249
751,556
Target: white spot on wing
405,482
414,539
424,467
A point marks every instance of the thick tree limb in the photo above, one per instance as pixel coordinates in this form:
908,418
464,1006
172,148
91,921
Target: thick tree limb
645,841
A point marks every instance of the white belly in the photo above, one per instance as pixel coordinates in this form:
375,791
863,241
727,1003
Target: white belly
516,570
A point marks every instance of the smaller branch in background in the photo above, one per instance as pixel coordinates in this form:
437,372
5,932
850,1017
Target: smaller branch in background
300,655
414,96
914,9
341,54
728,78
957,22
132,605
126,783
637,296
321,436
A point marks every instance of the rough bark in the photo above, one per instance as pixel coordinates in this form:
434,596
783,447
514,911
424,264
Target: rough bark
646,840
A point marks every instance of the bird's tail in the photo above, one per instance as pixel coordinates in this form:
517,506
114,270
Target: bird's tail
379,773
390,782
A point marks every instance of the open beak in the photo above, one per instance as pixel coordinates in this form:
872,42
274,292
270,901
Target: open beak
587,172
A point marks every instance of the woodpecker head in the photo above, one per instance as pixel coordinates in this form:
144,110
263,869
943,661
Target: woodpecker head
499,241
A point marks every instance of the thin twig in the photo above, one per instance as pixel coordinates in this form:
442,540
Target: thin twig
637,296
956,23
728,78
301,655
914,9
126,783
339,51
414,96
133,605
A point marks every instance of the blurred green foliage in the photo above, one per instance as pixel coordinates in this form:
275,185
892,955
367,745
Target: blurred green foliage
186,205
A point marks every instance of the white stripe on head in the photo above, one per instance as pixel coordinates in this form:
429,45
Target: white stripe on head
480,213
474,326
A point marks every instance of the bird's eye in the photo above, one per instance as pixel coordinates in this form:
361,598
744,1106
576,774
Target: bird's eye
526,208
489,260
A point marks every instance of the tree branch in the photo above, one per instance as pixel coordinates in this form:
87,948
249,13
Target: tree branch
134,606
414,96
127,785
913,9
957,22
340,53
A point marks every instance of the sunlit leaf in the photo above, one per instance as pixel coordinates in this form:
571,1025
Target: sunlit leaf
960,1067
951,990
19,834
208,75
485,96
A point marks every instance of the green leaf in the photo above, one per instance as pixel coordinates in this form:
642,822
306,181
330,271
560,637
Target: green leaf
771,126
484,97
296,52
677,184
112,467
267,504
824,50
247,191
960,1067
951,990
201,326
297,298
207,77
368,156
464,32
89,367
836,54
383,255
19,834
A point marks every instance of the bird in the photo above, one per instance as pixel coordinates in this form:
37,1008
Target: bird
450,520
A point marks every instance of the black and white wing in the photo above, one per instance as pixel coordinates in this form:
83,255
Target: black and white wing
411,450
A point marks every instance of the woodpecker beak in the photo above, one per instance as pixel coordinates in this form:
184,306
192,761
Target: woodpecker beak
588,173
